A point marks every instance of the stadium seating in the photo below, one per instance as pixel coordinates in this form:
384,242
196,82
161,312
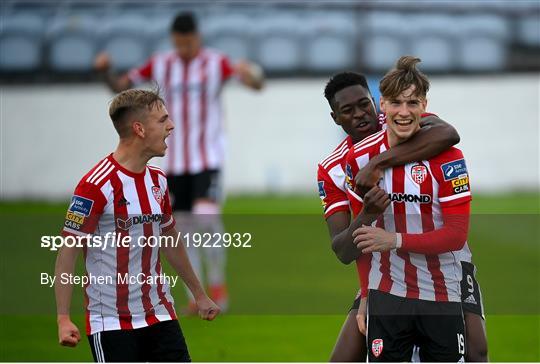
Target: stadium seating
73,43
21,42
228,34
529,30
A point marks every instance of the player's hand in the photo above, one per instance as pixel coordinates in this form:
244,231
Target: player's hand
376,201
208,310
249,73
372,239
366,178
102,62
68,333
361,316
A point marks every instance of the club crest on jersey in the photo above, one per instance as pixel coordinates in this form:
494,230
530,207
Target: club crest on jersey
377,347
454,169
419,173
158,194
322,193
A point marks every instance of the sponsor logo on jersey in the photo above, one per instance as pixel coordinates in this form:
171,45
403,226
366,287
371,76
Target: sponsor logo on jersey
322,193
348,176
419,173
406,197
470,300
460,185
76,218
81,205
139,219
377,347
454,169
158,194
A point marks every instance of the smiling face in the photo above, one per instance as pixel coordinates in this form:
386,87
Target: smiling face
157,126
354,110
403,114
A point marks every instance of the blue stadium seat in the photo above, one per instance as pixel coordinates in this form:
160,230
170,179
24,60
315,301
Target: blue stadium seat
229,34
331,43
21,42
73,43
125,38
529,30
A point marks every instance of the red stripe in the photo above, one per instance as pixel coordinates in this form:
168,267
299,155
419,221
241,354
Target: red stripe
122,255
168,91
185,114
400,220
162,299
385,284
203,101
86,300
142,195
433,263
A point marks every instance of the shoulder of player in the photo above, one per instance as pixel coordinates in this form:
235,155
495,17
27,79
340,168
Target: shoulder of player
368,144
99,174
448,155
209,52
336,156
154,169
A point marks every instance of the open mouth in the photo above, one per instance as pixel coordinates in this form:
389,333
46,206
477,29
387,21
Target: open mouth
406,122
363,125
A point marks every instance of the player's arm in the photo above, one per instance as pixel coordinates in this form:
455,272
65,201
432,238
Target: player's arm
341,228
250,74
68,333
433,138
450,237
177,256
117,83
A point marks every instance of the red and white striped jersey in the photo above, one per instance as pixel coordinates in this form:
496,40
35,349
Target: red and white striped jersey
110,199
192,96
420,192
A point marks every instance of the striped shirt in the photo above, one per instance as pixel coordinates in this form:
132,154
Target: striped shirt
419,193
192,95
112,200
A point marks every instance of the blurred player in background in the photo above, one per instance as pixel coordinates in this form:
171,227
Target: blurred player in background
414,288
192,77
128,321
354,110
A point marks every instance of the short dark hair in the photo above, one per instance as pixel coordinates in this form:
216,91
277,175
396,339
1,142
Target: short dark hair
184,23
402,76
131,101
343,80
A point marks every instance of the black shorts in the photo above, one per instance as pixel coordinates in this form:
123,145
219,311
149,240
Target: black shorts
397,324
161,342
471,296
356,303
187,188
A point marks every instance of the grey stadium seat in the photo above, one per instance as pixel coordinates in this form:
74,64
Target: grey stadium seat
278,42
229,34
331,42
483,42
73,43
125,38
21,42
529,30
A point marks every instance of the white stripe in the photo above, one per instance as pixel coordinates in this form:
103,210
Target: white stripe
364,146
455,197
336,158
337,150
337,204
100,347
75,232
332,156
97,170
368,139
105,174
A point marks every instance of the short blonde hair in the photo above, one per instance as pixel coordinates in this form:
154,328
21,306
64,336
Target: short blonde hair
402,76
130,103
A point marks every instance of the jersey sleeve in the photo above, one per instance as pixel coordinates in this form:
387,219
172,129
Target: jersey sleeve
143,73
167,222
84,211
333,199
450,171
227,69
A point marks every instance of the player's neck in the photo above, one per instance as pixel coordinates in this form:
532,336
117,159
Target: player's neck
130,159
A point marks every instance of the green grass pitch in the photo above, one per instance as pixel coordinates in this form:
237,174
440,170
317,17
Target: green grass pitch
289,294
